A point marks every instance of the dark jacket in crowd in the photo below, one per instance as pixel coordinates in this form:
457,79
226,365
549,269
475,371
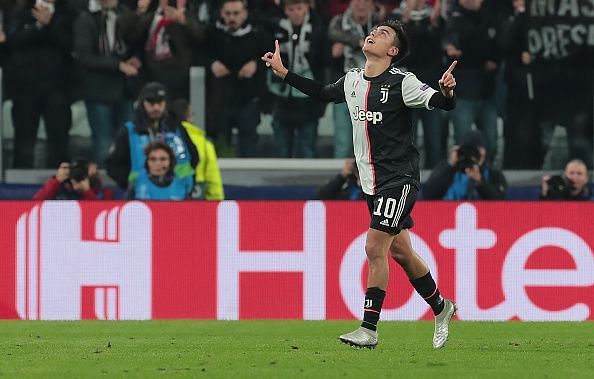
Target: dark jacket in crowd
426,58
493,185
100,77
118,164
341,188
301,107
40,57
173,71
235,49
474,33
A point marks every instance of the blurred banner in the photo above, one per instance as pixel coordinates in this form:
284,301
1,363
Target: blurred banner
287,260
561,30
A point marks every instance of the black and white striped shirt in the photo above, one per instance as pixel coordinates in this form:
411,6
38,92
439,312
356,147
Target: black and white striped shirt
380,110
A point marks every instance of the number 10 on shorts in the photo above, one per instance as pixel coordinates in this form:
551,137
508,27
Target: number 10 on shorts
389,207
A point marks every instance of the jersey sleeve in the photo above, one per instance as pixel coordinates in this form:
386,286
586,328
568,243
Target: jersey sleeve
335,91
330,92
415,93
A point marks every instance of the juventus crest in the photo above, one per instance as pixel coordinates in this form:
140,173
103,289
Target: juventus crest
384,93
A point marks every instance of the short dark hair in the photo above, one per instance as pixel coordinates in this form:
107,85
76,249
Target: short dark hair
160,145
403,43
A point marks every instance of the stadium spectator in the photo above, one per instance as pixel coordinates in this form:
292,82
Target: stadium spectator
347,33
467,175
158,180
344,186
425,28
237,80
78,180
167,35
208,184
294,114
108,73
522,132
470,38
151,122
39,39
574,184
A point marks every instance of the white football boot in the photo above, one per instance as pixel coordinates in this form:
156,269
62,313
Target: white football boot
361,337
442,323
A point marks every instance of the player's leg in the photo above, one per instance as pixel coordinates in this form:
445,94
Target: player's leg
376,248
421,279
387,211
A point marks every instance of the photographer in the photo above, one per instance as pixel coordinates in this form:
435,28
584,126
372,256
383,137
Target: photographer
574,184
466,176
344,186
78,180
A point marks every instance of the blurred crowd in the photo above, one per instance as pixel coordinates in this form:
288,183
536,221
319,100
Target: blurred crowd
55,52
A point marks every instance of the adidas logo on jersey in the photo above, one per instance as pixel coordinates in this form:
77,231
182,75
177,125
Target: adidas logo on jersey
385,222
361,115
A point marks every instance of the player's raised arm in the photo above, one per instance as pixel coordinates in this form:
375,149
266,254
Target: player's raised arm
446,99
274,61
331,92
447,83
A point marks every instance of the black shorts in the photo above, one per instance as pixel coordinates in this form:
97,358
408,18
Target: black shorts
390,209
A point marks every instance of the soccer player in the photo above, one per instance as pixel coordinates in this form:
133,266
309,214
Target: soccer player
380,98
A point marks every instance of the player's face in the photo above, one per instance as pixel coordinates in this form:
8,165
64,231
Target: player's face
380,42
158,162
154,110
296,13
576,172
234,14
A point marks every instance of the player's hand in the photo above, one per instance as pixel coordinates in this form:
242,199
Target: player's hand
248,70
447,83
274,61
219,69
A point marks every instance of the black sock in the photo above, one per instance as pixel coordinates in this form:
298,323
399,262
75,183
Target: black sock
374,298
426,287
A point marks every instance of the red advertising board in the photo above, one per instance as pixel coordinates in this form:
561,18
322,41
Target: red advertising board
287,260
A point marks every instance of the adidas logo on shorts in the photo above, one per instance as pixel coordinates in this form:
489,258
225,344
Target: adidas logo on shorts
385,222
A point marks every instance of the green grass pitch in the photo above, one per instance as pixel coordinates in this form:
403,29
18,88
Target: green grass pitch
292,349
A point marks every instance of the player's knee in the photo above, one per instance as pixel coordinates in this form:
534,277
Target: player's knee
374,250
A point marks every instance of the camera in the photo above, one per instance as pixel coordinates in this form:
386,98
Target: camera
468,156
559,187
79,170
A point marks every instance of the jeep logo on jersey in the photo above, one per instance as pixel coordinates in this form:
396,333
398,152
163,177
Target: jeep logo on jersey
362,115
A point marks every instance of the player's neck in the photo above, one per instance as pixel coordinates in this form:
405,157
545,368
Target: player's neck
375,67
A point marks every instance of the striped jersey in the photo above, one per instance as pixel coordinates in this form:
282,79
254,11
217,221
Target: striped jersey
383,133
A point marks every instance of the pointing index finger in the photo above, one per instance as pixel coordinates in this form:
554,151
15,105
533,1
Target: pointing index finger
276,46
451,68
